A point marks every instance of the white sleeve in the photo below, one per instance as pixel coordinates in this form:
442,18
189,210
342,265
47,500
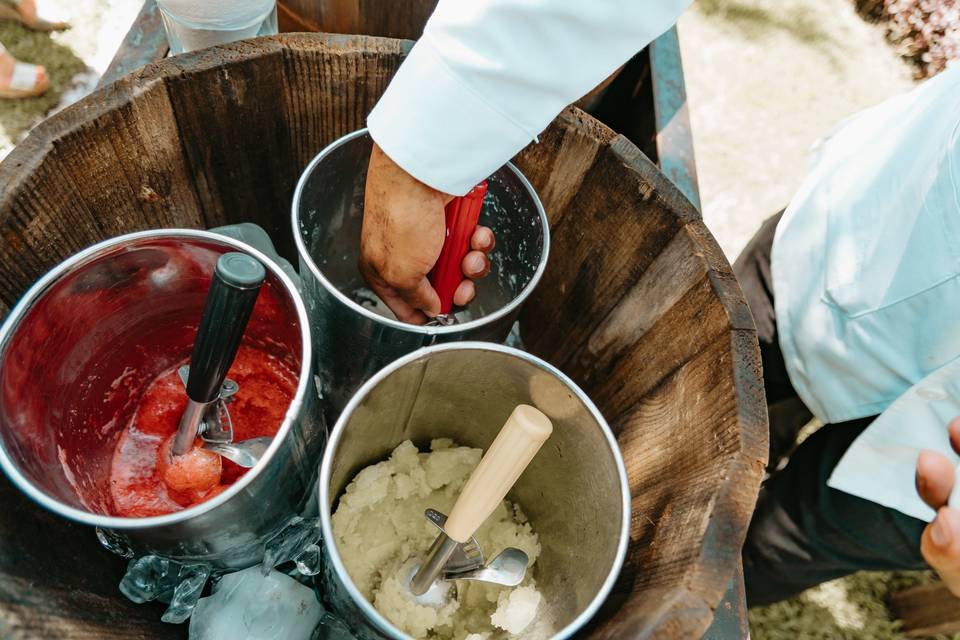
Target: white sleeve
489,75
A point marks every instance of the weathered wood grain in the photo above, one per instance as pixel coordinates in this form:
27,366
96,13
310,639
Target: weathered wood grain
611,231
638,304
58,583
364,17
680,448
643,311
141,163
558,164
331,85
927,610
240,166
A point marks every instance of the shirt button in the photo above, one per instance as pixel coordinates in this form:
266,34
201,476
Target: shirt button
931,393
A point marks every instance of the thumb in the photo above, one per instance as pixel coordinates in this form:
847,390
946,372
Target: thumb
940,545
423,297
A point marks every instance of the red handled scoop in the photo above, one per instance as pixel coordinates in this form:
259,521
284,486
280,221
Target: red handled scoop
462,214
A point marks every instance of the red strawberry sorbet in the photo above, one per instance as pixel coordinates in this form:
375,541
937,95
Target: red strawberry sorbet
147,480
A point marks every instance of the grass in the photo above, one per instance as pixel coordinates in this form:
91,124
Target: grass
17,116
852,608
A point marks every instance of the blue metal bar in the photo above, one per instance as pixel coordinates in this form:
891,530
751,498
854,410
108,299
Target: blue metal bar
146,42
674,137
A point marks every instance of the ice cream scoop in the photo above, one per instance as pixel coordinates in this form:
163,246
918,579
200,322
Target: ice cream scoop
508,456
233,293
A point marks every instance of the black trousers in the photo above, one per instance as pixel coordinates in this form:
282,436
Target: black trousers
803,532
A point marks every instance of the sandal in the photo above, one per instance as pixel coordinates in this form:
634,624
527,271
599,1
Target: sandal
38,23
24,81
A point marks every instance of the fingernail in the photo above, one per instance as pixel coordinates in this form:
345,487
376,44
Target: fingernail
940,533
475,264
487,240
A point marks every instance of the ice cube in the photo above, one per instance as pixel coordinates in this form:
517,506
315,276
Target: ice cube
149,578
297,542
332,628
250,605
114,543
193,578
516,341
153,578
309,560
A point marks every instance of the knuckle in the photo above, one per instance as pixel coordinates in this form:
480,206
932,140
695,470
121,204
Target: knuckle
394,275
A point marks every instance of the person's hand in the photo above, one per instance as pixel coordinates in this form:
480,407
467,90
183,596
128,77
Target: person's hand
940,543
403,232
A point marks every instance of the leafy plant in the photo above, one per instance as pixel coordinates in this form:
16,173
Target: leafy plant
925,31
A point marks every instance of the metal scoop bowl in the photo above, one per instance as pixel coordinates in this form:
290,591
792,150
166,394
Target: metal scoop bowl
465,563
508,569
246,453
216,428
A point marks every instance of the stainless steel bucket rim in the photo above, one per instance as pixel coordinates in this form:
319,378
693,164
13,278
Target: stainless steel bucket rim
120,523
397,324
384,625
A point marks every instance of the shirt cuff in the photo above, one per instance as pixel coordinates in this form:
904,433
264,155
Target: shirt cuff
438,129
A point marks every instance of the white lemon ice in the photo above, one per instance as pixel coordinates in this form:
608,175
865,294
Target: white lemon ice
516,609
379,527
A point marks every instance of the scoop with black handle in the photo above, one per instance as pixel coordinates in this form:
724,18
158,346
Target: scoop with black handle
233,292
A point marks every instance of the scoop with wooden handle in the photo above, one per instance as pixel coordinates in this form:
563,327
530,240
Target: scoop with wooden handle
518,442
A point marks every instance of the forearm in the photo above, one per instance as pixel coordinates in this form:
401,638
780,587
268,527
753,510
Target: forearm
489,75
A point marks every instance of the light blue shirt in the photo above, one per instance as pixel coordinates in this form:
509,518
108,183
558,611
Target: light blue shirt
881,464
866,260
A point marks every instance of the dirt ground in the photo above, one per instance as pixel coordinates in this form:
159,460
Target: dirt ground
766,79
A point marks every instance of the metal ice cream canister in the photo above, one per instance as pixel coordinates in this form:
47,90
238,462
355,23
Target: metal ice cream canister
88,337
352,340
575,492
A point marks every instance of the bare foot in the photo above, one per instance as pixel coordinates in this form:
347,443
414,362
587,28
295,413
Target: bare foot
28,9
7,90
32,19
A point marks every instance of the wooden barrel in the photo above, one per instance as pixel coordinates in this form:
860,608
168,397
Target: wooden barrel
386,18
638,304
